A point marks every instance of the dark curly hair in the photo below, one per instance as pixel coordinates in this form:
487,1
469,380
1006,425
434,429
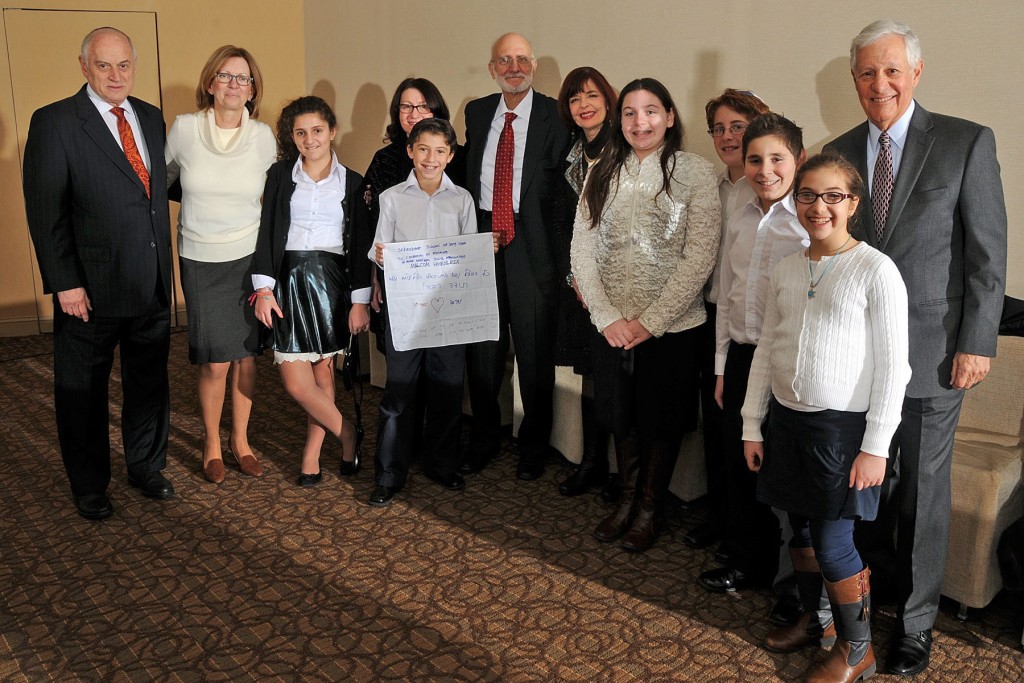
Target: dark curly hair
308,104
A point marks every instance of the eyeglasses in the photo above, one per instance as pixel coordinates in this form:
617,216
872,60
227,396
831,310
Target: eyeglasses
827,197
407,107
240,79
735,128
505,62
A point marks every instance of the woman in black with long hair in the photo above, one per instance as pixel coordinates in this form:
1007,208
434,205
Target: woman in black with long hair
584,103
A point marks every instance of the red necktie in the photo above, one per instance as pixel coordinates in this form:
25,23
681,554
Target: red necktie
503,220
131,150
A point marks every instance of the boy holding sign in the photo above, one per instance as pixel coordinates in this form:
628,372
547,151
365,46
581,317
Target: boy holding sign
427,205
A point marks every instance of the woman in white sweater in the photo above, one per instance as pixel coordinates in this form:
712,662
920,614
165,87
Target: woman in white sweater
644,242
830,372
220,155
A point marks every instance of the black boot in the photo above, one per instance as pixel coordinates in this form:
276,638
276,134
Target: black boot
593,467
814,627
852,657
628,460
657,471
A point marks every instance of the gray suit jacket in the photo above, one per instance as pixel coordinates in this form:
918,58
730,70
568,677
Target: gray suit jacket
946,232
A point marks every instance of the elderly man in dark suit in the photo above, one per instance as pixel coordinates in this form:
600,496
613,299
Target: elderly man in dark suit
935,206
515,141
96,198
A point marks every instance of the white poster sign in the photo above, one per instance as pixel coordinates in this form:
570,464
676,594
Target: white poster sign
441,291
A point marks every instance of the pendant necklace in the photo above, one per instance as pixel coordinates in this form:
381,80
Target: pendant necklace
812,283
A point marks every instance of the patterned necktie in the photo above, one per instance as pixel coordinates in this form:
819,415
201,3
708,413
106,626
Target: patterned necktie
131,150
881,190
503,221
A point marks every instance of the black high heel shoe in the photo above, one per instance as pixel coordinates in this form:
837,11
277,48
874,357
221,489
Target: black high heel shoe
349,468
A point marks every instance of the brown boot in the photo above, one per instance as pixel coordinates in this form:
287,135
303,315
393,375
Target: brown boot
851,658
656,470
814,627
628,460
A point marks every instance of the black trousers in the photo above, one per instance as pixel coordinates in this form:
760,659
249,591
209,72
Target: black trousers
752,534
442,371
645,390
83,355
526,314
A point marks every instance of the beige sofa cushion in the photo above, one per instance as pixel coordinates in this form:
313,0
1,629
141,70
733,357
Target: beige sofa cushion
993,411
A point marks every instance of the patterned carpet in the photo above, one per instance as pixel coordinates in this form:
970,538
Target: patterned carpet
259,580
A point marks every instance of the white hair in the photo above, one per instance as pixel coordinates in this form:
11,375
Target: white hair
877,30
104,30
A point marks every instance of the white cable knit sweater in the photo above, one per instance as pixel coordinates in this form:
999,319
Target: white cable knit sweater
651,253
845,349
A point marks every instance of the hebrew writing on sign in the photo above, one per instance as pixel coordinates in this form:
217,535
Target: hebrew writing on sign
441,291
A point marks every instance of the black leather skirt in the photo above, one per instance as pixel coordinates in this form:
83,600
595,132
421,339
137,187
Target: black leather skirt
314,296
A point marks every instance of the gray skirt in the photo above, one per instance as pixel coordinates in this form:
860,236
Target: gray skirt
221,323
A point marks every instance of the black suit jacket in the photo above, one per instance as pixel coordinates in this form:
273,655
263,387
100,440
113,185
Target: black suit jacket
546,142
91,222
946,232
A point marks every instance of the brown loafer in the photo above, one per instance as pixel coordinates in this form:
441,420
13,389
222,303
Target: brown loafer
248,464
214,471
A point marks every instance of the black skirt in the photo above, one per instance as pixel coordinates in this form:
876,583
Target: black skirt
808,457
314,296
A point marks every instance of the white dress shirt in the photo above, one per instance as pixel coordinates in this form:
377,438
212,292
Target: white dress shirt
732,195
520,125
897,139
754,243
408,213
104,108
317,219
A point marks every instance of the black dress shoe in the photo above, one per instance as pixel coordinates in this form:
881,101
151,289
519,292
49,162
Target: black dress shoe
452,482
531,466
786,611
724,580
381,496
152,485
702,535
307,480
909,653
94,506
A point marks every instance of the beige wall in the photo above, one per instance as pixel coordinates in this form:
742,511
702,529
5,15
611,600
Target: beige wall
353,54
794,54
187,31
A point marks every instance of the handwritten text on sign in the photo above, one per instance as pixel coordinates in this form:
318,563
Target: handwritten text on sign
441,291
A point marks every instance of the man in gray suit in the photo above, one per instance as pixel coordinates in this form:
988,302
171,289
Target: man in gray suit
935,206
96,199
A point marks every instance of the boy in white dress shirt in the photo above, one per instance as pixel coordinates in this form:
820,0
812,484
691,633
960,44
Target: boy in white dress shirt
425,206
759,234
